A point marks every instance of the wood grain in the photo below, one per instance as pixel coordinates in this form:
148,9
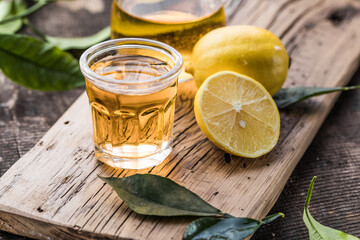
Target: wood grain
69,196
334,158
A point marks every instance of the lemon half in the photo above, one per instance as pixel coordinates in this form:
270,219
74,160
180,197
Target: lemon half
237,114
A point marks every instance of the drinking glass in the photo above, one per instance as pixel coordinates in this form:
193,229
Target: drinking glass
132,85
179,23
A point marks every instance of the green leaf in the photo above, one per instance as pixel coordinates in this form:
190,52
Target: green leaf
288,96
5,9
200,225
318,231
39,4
155,195
38,65
80,43
271,218
9,9
226,228
216,228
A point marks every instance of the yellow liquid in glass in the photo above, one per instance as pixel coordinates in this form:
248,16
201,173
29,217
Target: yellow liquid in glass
131,126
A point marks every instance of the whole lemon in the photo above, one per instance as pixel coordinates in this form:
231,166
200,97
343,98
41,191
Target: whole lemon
247,50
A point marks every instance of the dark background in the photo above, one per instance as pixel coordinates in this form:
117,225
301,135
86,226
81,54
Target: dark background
334,155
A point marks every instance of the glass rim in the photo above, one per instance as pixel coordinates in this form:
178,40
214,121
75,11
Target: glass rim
114,44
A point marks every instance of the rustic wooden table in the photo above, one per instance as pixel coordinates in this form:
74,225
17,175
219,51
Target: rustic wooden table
333,156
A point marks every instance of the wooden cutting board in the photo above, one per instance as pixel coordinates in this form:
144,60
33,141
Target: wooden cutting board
53,191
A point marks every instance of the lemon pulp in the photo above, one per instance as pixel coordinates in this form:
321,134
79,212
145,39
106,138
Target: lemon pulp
237,114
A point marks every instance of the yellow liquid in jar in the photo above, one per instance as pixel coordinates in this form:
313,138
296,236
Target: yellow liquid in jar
179,23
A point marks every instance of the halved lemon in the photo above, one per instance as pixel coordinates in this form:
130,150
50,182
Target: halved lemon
237,114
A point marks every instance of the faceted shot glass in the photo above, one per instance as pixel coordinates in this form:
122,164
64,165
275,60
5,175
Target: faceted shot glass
132,86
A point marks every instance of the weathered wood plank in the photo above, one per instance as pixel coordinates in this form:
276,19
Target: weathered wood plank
334,158
70,196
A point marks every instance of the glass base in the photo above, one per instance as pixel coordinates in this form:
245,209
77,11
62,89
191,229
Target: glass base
132,163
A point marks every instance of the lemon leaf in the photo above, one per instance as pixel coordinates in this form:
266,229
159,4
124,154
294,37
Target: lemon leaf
159,196
38,65
39,4
226,229
289,96
80,42
9,9
318,231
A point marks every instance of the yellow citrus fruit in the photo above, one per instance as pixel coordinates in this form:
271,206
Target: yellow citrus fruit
237,114
248,50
